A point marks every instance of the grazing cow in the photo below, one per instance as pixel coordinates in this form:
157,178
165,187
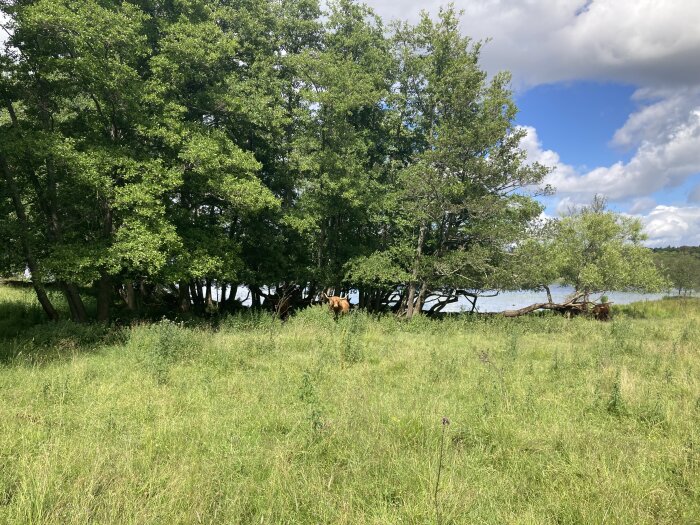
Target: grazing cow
337,305
602,312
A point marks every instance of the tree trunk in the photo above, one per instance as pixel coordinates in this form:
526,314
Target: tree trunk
566,308
402,304
209,299
421,298
549,293
414,273
254,297
184,296
44,300
525,310
104,297
32,264
104,286
200,291
144,292
378,299
130,296
78,313
193,293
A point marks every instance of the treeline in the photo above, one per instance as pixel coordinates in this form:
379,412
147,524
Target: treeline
681,265
689,250
156,151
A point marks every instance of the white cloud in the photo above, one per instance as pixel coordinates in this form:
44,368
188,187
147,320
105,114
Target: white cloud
673,226
642,205
667,155
658,120
642,42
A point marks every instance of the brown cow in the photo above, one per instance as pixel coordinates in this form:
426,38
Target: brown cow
337,305
602,312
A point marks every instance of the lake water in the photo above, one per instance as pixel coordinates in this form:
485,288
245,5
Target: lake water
514,300
520,299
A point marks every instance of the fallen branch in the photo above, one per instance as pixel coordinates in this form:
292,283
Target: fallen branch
568,308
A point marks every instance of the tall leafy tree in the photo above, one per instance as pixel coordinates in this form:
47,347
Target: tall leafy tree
340,149
460,196
77,69
599,250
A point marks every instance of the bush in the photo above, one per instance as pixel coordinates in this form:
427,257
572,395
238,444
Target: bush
162,345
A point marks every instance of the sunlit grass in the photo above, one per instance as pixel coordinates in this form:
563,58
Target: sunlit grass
312,421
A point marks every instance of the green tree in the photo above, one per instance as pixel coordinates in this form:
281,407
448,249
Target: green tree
74,69
340,148
681,268
594,250
534,263
459,175
599,251
122,133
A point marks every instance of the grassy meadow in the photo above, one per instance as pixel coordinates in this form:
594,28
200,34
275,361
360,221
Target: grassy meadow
312,421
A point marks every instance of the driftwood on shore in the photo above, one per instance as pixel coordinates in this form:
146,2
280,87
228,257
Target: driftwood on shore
573,307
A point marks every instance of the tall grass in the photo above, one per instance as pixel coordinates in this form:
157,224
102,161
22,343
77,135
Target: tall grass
313,421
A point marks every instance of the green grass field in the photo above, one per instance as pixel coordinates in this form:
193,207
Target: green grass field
312,421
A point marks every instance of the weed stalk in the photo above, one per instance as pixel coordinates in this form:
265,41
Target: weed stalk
445,424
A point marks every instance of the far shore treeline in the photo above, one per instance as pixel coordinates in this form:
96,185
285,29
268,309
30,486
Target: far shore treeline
153,151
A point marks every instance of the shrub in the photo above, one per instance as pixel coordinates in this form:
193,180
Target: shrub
162,345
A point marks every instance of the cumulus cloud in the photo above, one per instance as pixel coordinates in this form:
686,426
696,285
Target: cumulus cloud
662,112
647,43
667,155
642,205
673,226
642,42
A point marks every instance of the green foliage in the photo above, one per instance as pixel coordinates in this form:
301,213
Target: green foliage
593,250
459,196
153,153
681,267
601,250
378,270
163,344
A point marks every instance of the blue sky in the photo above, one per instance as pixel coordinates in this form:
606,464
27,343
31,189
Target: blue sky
578,119
609,92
